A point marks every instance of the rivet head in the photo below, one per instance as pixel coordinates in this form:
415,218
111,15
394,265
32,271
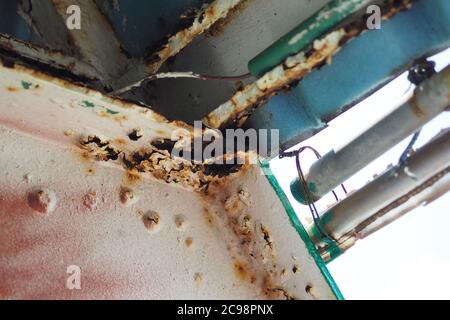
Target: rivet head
128,197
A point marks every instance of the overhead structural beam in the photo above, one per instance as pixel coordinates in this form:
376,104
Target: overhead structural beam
429,100
388,197
305,34
46,28
295,65
55,59
95,41
205,19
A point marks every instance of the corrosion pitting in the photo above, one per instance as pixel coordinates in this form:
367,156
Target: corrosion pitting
158,161
100,149
135,134
249,242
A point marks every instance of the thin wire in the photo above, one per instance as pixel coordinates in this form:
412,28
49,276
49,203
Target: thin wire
312,207
173,75
405,155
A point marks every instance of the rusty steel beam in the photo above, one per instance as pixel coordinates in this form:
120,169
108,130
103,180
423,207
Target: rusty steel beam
55,59
205,19
243,103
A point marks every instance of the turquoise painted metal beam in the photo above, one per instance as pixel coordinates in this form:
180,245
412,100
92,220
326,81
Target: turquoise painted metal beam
302,36
362,66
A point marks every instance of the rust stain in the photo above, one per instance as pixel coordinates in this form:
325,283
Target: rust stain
115,117
415,108
133,177
12,89
242,272
85,157
120,141
208,216
250,245
219,27
189,242
90,171
82,89
216,11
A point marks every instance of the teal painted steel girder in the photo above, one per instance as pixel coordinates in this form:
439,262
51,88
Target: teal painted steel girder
302,36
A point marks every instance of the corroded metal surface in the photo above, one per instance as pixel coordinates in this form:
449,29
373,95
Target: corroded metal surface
240,106
249,29
203,20
244,102
63,149
218,10
56,59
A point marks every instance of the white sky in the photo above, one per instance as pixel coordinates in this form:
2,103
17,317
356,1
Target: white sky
409,259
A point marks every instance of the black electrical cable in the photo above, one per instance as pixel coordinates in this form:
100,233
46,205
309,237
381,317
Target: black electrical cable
421,71
312,207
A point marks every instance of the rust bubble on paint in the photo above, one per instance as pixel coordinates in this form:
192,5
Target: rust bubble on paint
12,89
180,222
198,278
90,200
152,221
140,213
90,171
69,132
120,141
127,196
245,197
42,200
189,242
244,224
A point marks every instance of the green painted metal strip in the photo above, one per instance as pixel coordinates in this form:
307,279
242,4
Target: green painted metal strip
329,17
300,229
